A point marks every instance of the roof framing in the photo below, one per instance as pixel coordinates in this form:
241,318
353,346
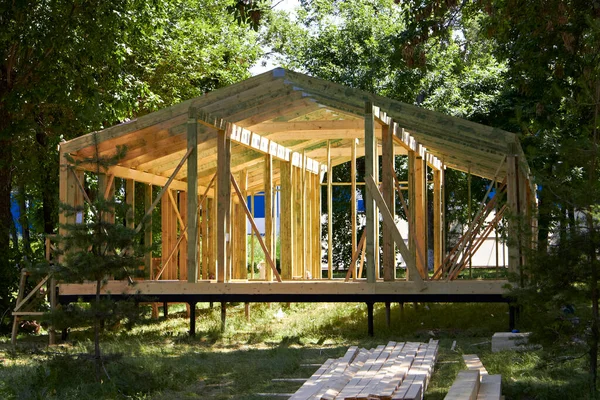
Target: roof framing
288,114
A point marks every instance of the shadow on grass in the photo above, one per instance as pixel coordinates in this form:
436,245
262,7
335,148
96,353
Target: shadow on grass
195,374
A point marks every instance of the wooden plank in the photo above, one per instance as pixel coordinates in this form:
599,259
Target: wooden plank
464,387
33,292
307,126
223,203
490,388
314,382
393,229
388,192
371,168
474,363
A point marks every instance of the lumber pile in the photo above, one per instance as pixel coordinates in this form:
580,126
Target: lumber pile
475,383
394,371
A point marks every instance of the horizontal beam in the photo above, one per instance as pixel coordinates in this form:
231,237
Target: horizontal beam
319,288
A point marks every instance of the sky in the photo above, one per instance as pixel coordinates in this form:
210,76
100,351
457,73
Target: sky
285,5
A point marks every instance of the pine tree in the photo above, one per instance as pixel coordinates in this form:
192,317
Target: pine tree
96,248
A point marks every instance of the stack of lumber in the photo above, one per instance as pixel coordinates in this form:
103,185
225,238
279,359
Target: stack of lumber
475,383
393,372
509,341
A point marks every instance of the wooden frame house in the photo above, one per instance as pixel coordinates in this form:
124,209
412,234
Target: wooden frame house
285,131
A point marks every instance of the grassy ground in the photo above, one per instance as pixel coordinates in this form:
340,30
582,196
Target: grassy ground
158,360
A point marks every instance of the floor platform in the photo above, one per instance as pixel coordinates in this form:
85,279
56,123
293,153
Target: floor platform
295,291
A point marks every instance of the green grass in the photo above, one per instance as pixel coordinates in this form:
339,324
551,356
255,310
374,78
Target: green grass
158,360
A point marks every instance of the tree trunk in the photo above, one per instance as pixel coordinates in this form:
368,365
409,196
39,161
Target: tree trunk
595,329
8,273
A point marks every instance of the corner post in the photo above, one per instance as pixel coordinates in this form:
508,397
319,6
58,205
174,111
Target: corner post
419,213
192,197
371,168
353,204
223,200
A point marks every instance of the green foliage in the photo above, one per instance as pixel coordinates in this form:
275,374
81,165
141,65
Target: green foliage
69,68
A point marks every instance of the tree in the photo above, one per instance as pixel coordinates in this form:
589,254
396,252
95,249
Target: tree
71,67
360,44
551,96
93,249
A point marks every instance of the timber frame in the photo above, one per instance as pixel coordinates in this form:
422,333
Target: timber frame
283,131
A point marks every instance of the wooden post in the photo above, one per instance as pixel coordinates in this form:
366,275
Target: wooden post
512,193
223,201
223,315
252,204
353,205
148,233
438,219
388,313
412,240
371,168
297,221
303,221
69,193
420,214
470,214
192,318
329,214
192,197
387,188
269,231
286,228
